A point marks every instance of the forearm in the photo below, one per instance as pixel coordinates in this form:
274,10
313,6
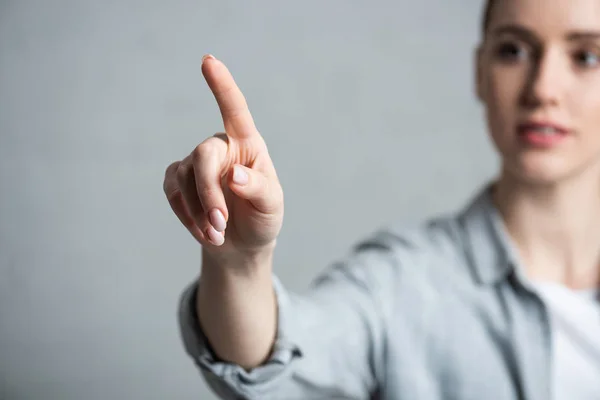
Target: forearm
237,308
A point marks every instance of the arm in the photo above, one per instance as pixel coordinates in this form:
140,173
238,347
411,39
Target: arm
236,308
328,344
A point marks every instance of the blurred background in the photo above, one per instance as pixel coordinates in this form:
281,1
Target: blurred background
368,109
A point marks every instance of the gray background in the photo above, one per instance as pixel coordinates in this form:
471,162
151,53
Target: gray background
368,109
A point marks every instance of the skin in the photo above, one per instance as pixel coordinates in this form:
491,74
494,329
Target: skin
236,221
548,198
540,59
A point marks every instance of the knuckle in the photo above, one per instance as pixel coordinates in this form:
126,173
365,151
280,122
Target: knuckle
221,136
169,183
182,173
208,194
170,187
204,150
225,92
171,168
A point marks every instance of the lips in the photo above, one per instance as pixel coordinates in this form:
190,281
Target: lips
542,134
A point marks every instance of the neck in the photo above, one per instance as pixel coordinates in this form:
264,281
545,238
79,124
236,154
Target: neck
556,227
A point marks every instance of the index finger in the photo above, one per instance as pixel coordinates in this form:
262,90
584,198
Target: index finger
236,116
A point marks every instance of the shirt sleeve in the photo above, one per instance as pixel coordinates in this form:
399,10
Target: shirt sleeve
330,340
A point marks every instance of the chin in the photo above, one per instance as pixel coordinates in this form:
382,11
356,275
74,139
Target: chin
541,169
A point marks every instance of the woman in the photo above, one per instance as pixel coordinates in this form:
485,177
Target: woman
496,302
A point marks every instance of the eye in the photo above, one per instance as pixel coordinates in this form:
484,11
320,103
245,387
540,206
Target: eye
587,59
510,52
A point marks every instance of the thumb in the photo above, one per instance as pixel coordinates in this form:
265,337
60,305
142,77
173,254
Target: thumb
263,193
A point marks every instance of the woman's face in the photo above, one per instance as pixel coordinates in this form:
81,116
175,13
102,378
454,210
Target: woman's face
539,78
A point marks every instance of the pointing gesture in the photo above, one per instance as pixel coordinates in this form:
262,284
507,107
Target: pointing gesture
226,191
232,104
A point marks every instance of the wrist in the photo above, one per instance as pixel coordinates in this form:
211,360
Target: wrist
246,263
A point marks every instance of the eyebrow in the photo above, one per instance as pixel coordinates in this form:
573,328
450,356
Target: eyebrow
527,34
584,35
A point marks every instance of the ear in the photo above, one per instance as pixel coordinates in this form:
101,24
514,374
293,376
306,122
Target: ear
479,74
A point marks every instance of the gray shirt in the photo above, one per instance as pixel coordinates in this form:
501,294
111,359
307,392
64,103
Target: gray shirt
441,311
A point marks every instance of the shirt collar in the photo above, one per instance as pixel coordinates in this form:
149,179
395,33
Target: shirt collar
491,254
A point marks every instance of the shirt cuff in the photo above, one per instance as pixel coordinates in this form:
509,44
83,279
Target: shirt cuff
230,381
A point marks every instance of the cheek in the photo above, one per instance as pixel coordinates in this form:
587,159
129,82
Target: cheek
585,109
506,86
504,89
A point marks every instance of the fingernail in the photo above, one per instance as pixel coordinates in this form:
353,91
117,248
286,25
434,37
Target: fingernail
215,237
240,176
208,57
217,220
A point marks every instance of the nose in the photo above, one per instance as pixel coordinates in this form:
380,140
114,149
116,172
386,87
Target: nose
545,82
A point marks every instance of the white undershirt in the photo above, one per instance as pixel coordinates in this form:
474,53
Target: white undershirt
575,321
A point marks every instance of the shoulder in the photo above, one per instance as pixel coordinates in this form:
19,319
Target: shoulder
446,252
443,249
464,244
439,240
401,254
